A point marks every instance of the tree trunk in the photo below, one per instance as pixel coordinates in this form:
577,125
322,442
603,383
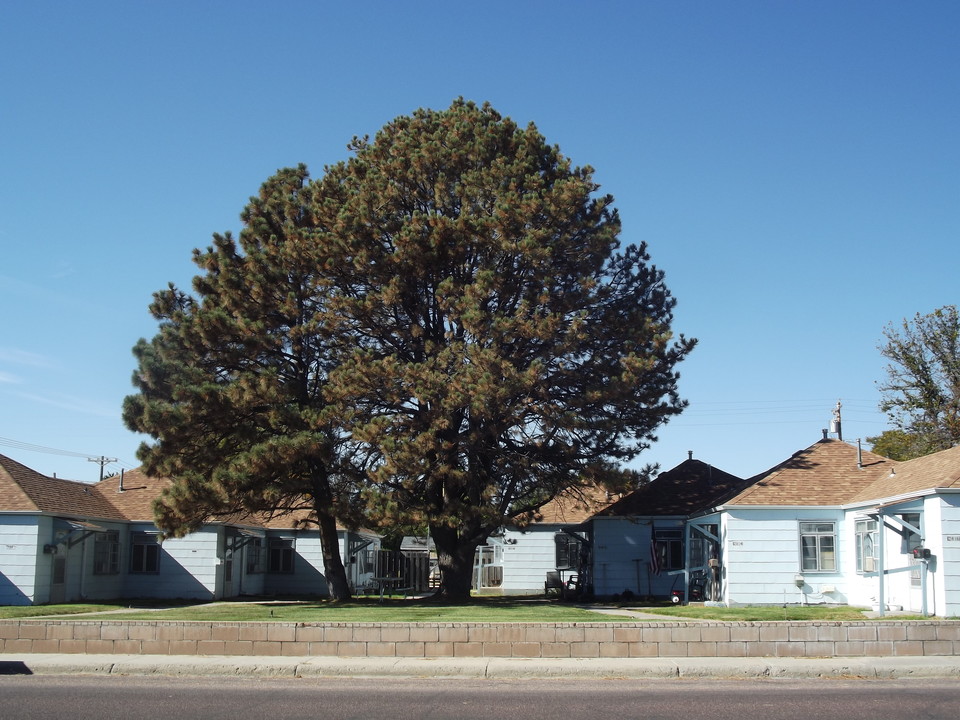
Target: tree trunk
337,583
455,557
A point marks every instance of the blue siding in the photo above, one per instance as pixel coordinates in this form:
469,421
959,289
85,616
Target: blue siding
21,559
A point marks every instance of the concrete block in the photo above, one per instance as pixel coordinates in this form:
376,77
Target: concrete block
184,647
731,649
585,649
261,647
674,649
439,649
294,649
554,650
497,649
468,649
381,649
211,647
938,647
282,633
921,632
410,649
238,647
526,649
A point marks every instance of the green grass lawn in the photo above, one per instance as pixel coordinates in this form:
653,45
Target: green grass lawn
487,609
12,612
754,613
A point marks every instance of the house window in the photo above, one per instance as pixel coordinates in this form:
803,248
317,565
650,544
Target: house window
144,553
818,542
568,551
254,556
669,548
280,559
106,553
866,535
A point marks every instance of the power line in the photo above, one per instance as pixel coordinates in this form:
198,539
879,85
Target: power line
20,445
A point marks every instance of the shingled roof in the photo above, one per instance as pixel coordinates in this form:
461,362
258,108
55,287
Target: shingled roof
829,472
575,505
939,470
25,490
690,487
135,501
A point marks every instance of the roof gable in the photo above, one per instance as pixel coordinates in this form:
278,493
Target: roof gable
829,472
23,489
688,488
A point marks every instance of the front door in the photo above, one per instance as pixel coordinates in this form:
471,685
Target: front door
58,583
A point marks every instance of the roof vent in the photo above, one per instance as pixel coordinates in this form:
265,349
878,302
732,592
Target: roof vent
689,454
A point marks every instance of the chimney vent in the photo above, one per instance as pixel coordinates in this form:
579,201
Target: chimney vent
689,454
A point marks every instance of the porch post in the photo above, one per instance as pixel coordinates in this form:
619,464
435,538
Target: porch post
881,573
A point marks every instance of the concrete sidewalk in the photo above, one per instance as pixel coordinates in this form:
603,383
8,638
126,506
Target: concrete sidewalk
496,668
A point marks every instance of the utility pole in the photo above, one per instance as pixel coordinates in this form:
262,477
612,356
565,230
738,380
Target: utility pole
101,461
835,425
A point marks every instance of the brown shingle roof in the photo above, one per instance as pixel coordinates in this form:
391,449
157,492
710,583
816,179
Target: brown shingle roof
688,488
23,489
573,506
826,473
140,490
940,470
135,503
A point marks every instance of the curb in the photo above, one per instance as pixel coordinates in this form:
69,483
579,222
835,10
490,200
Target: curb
486,668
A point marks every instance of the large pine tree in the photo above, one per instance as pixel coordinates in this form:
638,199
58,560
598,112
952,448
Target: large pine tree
442,330
505,347
233,386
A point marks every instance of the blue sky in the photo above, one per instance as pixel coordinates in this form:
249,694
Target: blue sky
793,166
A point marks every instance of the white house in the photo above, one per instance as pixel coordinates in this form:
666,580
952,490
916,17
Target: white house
640,542
831,524
836,524
64,541
518,560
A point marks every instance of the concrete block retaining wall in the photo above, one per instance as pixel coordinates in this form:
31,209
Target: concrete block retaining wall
517,640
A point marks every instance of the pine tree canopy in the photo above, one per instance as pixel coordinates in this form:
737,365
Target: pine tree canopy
445,322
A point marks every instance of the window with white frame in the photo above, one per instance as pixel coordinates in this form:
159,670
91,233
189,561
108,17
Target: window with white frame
866,545
144,553
106,553
818,546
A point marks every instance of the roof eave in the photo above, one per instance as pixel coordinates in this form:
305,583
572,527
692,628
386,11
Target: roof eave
722,508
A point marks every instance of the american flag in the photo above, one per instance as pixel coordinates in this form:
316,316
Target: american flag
654,554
